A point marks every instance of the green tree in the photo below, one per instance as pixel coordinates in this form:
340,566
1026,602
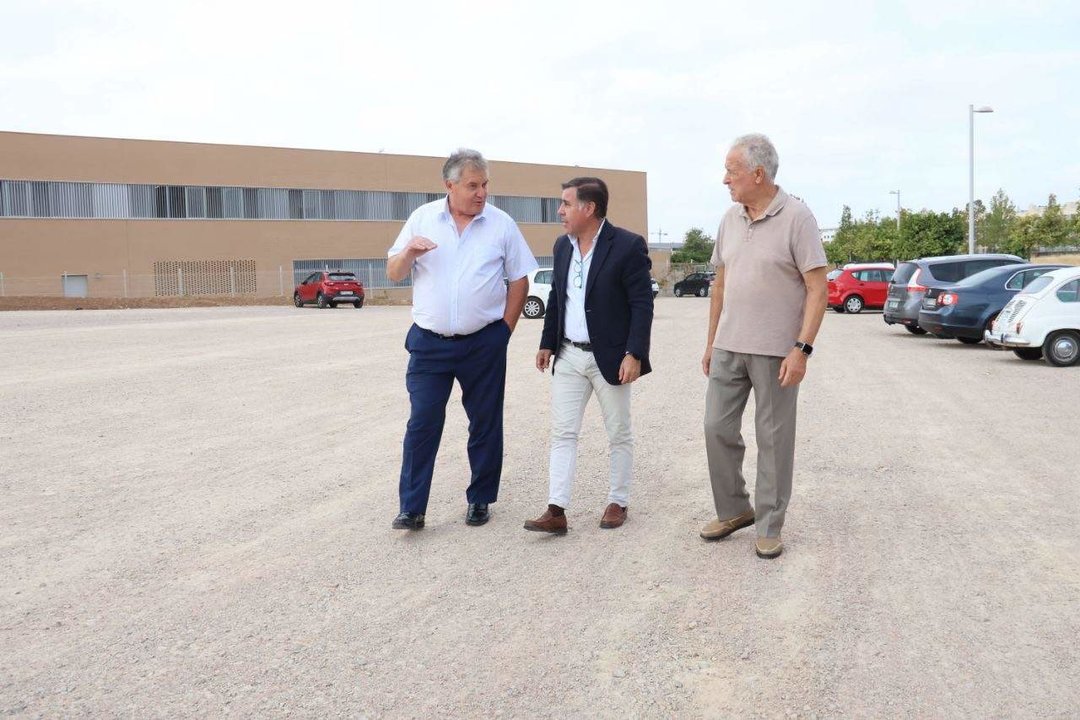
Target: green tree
842,247
697,248
1052,227
1023,236
926,233
995,230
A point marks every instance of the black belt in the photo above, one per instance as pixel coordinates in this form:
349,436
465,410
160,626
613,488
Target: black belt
587,347
455,337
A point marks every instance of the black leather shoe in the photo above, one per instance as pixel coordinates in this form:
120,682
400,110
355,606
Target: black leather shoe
478,514
408,521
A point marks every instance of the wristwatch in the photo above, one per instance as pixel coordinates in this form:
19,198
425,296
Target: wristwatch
807,348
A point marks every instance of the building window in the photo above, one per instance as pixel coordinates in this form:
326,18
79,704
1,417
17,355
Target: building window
232,200
195,201
214,202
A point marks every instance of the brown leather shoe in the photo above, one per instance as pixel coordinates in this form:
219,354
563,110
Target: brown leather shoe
549,523
614,516
717,529
768,548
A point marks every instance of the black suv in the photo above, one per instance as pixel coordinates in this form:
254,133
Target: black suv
911,279
694,284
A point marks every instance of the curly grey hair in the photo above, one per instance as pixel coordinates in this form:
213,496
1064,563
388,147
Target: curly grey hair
758,150
462,157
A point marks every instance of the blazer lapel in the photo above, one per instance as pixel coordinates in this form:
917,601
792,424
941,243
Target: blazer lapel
563,252
600,254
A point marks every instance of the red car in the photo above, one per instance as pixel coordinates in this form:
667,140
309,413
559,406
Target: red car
859,285
329,289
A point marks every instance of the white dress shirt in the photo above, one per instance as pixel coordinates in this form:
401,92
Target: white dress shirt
576,328
458,287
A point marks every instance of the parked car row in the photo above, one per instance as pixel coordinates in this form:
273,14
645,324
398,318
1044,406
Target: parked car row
1031,308
911,280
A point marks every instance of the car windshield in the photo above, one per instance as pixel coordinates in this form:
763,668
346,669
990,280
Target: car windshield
903,273
342,277
1038,284
834,274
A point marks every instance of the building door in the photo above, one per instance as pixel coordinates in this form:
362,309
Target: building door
75,286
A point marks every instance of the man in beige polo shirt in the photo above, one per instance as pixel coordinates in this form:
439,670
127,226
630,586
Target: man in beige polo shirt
768,299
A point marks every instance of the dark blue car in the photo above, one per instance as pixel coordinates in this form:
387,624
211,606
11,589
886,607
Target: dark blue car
963,310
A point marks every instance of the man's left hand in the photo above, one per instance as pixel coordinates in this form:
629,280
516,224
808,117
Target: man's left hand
630,370
793,368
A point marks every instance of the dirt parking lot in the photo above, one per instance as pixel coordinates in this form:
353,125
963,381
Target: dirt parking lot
195,513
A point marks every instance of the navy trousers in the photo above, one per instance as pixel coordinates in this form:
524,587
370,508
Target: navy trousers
478,363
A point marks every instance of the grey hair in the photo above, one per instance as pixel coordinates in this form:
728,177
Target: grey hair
758,150
451,169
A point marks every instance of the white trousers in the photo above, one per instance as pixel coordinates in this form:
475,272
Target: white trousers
576,377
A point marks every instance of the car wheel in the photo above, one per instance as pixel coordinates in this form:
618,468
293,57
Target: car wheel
678,292
358,304
914,329
970,341
320,300
1028,353
838,309
297,300
1062,348
854,304
703,291
534,308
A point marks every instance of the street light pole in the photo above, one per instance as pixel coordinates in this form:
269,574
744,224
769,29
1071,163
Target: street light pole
897,194
971,172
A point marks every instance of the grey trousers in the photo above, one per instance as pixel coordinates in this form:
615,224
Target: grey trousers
731,377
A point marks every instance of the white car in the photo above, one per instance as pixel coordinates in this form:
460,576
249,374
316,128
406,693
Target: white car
1043,321
539,291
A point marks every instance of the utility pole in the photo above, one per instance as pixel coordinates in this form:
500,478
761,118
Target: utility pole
660,235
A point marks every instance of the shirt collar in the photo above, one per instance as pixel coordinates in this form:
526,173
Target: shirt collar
777,204
573,238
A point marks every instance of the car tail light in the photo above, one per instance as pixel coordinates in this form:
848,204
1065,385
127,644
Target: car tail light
949,298
913,284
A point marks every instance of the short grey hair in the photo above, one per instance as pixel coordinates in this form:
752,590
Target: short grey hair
459,160
758,150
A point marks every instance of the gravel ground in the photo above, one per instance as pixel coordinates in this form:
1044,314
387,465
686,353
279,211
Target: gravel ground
195,514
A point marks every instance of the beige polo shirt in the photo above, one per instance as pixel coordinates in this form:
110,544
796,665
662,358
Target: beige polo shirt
763,262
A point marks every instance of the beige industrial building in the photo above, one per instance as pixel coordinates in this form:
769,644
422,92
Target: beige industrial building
98,217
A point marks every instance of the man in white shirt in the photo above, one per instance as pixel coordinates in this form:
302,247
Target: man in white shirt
596,340
458,250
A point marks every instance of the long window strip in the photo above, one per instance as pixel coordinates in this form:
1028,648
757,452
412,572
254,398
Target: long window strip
58,199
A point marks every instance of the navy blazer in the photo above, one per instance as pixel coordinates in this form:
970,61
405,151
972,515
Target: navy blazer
618,300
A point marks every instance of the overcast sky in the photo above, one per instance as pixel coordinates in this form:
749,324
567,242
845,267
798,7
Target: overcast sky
860,99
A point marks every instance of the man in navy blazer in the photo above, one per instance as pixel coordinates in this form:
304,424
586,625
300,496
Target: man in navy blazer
596,340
